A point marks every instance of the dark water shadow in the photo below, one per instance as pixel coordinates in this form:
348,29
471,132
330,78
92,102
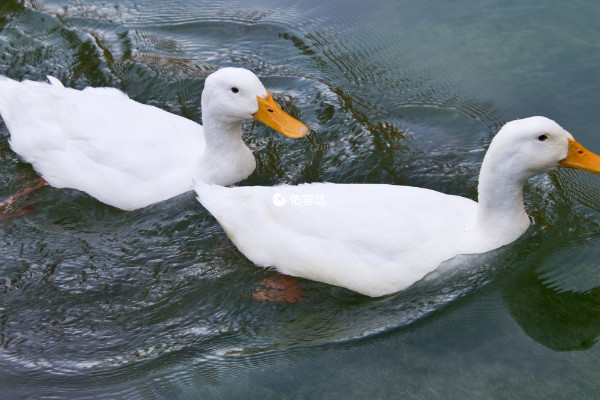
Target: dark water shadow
555,297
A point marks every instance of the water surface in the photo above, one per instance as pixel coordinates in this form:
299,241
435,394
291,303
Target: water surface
156,303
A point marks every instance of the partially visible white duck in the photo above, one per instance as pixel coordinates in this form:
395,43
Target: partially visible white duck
131,155
380,239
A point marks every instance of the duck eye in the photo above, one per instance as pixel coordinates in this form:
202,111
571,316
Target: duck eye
543,137
235,90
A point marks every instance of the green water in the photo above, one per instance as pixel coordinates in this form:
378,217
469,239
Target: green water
156,303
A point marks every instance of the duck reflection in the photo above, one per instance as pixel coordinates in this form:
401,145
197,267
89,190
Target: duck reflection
556,301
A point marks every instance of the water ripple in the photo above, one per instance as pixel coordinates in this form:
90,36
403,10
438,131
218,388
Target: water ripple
97,301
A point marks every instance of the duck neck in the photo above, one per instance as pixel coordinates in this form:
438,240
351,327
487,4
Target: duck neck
222,134
226,158
501,215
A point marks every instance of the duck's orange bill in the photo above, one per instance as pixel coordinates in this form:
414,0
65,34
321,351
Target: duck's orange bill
581,158
271,115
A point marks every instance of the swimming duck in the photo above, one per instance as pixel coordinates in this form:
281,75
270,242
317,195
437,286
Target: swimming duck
130,155
379,239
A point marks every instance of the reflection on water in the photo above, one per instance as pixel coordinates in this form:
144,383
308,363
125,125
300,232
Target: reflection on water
7,8
157,302
557,300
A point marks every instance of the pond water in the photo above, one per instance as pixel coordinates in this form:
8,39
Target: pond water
156,303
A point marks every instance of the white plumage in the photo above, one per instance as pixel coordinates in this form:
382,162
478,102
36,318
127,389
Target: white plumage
380,239
130,155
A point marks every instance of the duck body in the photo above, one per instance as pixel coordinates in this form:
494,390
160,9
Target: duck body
380,239
120,155
125,153
359,239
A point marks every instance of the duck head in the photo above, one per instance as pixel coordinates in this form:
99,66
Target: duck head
533,145
232,95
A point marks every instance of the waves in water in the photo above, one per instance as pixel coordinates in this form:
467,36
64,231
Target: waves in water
94,298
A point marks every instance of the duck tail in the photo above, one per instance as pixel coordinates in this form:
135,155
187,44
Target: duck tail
55,82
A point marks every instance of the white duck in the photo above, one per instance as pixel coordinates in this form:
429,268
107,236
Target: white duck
380,239
131,155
